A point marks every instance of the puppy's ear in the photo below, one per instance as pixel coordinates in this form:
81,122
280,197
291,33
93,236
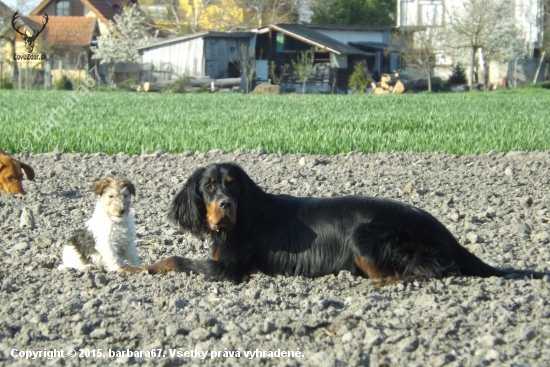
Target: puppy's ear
2,152
130,186
188,208
101,185
28,171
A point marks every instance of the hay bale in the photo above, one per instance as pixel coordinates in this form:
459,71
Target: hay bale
266,88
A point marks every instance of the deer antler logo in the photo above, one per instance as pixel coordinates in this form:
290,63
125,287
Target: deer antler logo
29,40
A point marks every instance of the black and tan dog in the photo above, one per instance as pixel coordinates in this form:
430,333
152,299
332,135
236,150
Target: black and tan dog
252,230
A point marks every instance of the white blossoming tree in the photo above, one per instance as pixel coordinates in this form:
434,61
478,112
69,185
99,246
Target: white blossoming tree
125,35
484,26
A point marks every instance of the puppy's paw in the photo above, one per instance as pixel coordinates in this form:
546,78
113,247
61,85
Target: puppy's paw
129,270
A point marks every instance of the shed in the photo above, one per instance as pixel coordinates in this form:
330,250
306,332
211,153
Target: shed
334,59
205,54
371,39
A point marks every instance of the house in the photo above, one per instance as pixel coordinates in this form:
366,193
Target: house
64,40
102,10
413,15
336,50
5,13
198,55
71,29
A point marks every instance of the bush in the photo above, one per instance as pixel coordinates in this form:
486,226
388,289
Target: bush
360,78
458,76
63,84
126,84
181,85
6,84
543,85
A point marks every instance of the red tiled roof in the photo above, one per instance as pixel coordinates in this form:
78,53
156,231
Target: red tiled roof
63,31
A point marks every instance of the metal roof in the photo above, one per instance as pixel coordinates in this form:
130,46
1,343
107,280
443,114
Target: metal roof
197,35
372,45
315,38
340,27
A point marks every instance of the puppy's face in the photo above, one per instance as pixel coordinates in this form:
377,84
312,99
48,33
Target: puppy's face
11,175
115,197
220,189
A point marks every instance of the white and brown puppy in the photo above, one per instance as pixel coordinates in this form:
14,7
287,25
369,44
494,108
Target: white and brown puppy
109,238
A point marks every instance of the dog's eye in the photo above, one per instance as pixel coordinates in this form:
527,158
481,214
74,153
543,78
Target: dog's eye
208,187
111,196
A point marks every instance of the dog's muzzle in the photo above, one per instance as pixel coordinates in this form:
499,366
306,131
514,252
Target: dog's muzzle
221,214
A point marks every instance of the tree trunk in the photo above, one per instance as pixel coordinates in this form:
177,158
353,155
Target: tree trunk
429,82
304,87
474,49
487,75
538,69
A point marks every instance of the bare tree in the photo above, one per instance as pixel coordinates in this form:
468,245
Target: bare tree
269,11
165,15
246,63
418,49
303,66
277,78
474,23
225,15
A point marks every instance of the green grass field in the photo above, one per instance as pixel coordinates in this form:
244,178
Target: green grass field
460,123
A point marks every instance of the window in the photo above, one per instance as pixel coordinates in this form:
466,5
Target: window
62,8
430,13
405,8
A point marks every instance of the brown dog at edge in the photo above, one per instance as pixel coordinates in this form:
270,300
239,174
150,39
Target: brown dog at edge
11,175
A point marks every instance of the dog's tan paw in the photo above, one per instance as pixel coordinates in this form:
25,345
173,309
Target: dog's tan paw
129,270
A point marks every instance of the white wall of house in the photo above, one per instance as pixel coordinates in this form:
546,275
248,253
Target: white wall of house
182,58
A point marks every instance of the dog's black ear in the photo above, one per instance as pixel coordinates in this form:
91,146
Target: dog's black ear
101,185
130,186
28,171
251,206
188,208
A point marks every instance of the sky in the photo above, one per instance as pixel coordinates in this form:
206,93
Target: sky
28,5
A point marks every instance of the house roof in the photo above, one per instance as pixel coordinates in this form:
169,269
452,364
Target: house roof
206,34
4,9
5,12
105,10
370,45
313,38
64,31
340,27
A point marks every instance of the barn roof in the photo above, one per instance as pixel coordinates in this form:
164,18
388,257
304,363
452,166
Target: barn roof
314,38
188,37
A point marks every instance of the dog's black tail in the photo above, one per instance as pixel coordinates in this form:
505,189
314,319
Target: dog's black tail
434,252
520,274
